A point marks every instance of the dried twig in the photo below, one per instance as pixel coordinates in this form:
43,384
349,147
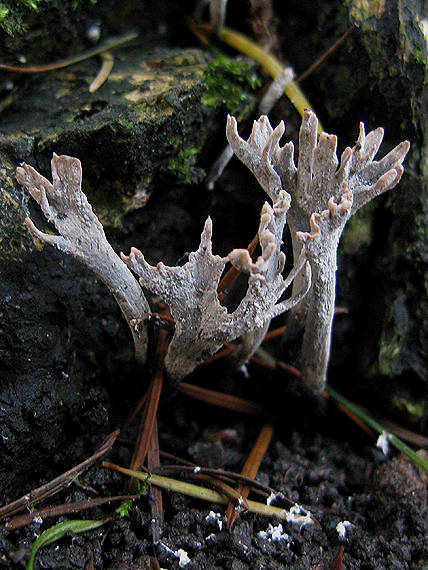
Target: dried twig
109,45
66,508
58,483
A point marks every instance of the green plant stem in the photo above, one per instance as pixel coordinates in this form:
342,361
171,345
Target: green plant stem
269,63
393,439
196,491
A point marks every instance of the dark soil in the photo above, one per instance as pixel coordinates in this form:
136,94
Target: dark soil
324,463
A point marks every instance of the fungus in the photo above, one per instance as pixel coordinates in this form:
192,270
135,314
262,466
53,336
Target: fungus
202,324
324,195
316,198
81,235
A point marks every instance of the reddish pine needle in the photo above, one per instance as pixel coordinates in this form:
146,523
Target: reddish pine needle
251,469
151,406
326,54
153,463
222,400
275,333
231,276
227,349
338,562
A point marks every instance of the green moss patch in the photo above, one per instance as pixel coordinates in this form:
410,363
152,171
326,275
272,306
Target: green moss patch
228,82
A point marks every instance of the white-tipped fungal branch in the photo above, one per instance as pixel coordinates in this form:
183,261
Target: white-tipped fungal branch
81,235
202,324
324,195
317,197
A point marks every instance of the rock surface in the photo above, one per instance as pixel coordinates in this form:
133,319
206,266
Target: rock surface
141,133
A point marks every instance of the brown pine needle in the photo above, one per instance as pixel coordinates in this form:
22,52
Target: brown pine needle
153,463
235,497
181,462
275,333
326,54
290,369
251,469
222,400
221,473
231,276
147,423
227,349
262,362
58,483
58,510
338,562
113,43
151,406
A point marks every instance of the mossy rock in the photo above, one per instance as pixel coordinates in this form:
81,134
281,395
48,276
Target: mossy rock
42,31
394,39
143,136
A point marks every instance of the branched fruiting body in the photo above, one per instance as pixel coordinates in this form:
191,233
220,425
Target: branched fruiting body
81,235
324,195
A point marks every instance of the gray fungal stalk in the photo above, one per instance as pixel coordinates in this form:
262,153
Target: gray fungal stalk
324,195
202,324
81,235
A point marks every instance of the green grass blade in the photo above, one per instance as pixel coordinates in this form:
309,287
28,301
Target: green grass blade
393,439
58,531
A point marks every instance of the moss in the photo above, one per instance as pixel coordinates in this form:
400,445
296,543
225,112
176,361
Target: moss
14,239
183,165
227,80
415,410
420,55
361,10
13,14
389,351
154,109
358,232
108,204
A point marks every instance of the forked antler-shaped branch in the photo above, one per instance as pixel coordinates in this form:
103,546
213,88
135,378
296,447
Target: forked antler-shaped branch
81,235
324,195
202,324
